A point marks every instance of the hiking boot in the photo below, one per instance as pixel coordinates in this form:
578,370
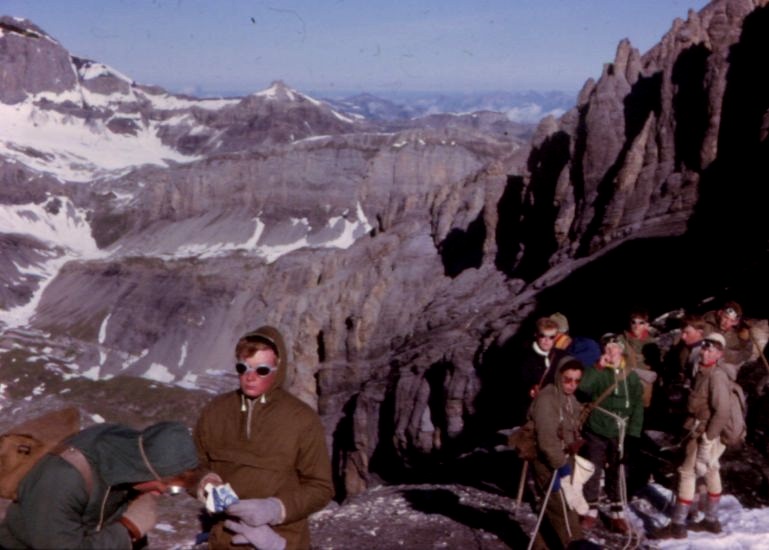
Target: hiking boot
619,525
587,522
670,531
708,525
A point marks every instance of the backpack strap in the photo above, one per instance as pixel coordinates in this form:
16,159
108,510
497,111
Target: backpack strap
78,460
588,408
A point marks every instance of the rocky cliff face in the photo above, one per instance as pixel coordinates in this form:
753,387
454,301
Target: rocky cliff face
401,265
650,143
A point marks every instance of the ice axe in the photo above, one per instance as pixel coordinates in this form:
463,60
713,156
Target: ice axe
521,484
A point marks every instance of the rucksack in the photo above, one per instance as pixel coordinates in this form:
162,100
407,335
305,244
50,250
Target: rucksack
524,441
736,429
24,445
586,350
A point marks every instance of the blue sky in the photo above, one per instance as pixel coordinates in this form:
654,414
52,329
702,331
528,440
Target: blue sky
241,46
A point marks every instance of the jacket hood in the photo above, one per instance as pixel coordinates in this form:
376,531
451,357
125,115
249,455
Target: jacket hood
557,381
113,451
730,369
274,337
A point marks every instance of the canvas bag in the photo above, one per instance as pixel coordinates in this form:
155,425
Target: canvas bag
736,429
23,445
524,441
572,485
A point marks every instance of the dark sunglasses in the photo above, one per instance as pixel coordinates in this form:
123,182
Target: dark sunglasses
260,370
548,336
707,344
569,380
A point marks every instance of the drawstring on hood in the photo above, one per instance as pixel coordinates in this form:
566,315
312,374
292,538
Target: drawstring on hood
147,460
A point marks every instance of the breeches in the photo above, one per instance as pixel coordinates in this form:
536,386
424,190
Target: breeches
687,480
603,452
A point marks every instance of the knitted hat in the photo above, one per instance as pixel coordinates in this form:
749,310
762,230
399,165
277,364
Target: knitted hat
716,338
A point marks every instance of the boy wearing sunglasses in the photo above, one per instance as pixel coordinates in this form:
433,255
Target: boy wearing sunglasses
728,321
536,366
556,413
269,446
708,408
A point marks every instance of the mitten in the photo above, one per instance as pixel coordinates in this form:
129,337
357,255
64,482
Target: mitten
261,537
704,458
141,515
213,479
258,511
560,473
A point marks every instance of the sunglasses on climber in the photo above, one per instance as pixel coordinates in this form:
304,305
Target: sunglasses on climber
708,344
260,370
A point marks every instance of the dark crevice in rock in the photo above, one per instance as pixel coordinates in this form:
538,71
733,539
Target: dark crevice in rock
343,445
321,347
643,99
508,233
462,250
546,164
436,376
690,106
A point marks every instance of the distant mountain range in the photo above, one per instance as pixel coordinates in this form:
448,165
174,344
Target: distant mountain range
393,105
526,107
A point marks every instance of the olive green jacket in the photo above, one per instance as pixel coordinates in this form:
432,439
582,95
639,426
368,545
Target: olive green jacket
625,400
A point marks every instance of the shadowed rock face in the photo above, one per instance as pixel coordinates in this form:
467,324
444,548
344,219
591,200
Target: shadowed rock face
404,340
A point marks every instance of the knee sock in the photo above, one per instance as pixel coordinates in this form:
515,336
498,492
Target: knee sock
681,511
711,509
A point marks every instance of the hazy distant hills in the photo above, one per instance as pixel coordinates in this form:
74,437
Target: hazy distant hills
393,105
528,106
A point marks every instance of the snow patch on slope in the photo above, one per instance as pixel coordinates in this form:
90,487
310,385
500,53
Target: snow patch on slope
72,149
59,224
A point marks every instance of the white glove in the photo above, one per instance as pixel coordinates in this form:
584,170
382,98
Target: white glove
705,455
261,537
258,511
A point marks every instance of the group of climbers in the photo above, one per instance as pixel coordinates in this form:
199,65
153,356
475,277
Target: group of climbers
593,411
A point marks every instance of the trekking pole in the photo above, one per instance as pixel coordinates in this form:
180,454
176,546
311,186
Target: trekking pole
521,484
542,511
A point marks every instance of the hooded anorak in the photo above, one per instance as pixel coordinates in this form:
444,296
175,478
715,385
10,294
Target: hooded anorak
54,508
269,446
624,401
